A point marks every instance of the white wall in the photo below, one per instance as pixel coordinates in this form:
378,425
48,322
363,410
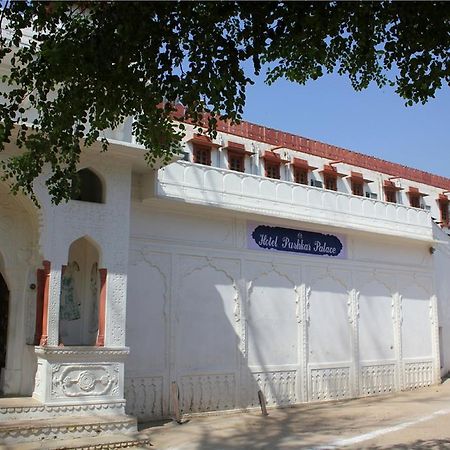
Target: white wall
224,321
441,264
19,256
255,165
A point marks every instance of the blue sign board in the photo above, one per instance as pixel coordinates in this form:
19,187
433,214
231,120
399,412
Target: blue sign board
296,241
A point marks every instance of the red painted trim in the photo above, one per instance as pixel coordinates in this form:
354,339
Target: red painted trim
272,164
201,139
358,177
413,191
390,186
235,146
331,171
102,309
271,157
236,155
40,278
201,148
63,270
271,136
46,276
302,164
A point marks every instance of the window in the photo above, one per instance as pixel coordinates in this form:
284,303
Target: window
87,187
202,155
301,169
391,196
414,200
330,176
236,161
357,188
300,175
390,191
330,182
272,170
357,183
415,197
443,207
272,162
444,213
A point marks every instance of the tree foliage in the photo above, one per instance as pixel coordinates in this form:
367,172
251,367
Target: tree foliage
90,65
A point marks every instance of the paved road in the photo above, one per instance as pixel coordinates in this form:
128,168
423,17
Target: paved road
410,420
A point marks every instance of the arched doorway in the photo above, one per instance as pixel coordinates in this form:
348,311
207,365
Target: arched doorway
19,258
4,310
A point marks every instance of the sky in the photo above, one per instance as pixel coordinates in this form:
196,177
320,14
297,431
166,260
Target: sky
374,121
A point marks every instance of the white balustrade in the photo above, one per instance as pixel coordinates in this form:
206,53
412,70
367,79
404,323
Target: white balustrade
255,194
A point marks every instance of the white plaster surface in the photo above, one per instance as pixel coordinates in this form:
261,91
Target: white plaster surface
223,321
220,320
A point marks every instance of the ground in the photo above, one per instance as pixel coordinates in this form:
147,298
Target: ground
410,420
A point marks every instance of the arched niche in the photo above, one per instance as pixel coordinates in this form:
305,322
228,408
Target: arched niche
80,291
87,187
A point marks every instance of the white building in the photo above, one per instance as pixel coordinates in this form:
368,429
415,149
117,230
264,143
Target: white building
262,261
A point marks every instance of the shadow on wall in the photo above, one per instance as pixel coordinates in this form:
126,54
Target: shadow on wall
222,332
201,333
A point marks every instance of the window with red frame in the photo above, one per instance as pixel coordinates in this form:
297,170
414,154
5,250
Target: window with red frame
202,155
330,182
236,161
414,200
272,170
300,175
391,196
357,188
443,206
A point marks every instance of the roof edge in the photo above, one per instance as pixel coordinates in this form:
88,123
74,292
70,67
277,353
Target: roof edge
313,147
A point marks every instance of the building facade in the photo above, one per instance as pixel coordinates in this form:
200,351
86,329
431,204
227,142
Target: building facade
258,261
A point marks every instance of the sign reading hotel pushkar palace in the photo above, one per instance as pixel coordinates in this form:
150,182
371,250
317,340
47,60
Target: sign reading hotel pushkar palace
296,241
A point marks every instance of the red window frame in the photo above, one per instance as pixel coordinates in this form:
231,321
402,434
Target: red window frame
236,161
414,200
202,155
390,195
272,169
330,182
357,188
443,208
300,175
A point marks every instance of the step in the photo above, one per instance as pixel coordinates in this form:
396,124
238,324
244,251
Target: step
111,441
22,408
64,427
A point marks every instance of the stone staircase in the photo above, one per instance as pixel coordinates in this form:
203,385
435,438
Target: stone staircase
27,424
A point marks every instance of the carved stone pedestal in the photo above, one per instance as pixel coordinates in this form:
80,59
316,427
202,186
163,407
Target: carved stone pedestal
85,378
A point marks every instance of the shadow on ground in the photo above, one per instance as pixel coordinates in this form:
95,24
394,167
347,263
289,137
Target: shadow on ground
305,426
435,444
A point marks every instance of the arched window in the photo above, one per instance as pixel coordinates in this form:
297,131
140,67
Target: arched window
80,290
87,187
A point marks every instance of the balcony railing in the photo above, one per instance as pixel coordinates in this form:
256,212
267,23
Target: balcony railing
259,195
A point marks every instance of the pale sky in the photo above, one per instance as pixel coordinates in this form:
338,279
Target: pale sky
374,121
